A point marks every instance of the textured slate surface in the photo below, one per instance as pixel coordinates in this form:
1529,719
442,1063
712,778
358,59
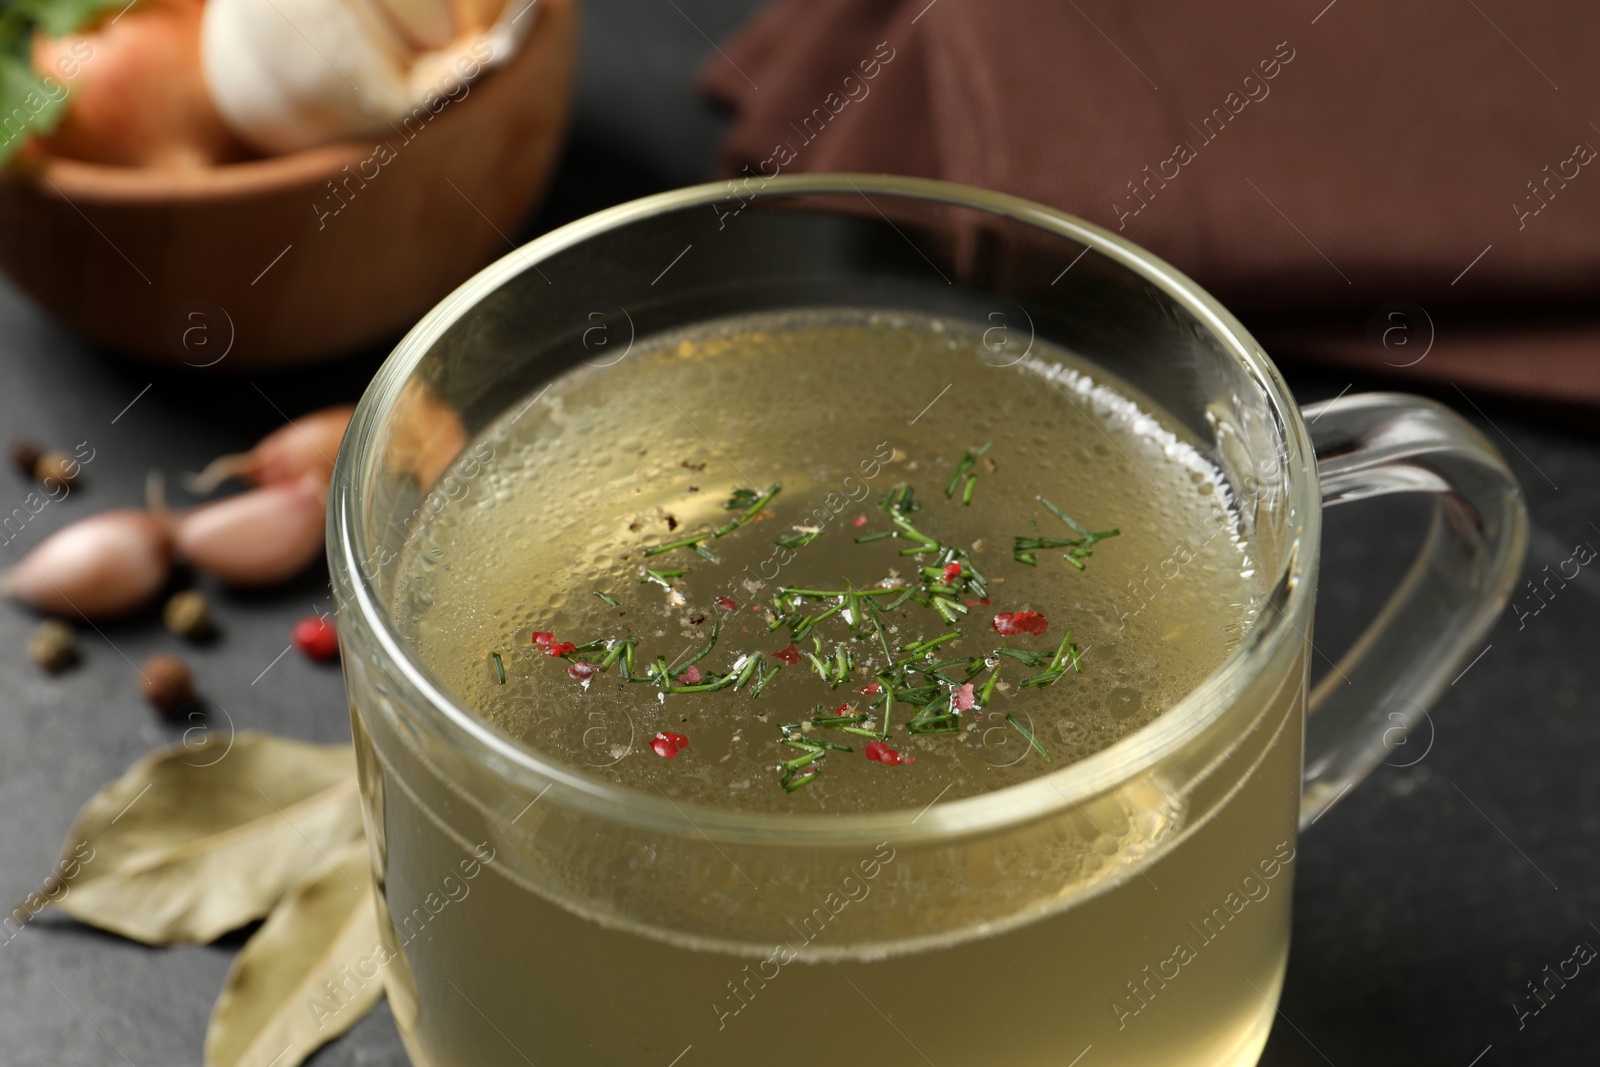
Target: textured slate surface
1425,901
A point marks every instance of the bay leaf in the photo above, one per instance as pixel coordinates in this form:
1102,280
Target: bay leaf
307,975
201,838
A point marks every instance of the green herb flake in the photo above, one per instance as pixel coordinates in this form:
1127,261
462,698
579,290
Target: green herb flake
747,499
1025,732
969,459
801,539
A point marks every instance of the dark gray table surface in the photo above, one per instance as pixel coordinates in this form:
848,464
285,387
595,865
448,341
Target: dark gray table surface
1425,901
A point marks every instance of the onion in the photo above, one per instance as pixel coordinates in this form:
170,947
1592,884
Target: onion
138,96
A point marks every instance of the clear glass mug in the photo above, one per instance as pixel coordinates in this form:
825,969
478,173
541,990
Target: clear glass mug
1129,908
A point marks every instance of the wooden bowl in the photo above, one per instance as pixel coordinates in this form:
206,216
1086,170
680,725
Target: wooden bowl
297,257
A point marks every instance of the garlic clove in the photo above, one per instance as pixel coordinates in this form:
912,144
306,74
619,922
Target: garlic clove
426,23
306,446
476,16
491,31
99,567
259,537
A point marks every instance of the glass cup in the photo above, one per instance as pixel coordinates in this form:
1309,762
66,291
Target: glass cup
1128,908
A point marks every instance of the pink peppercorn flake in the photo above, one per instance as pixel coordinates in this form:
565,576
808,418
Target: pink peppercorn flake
952,571
691,676
790,656
1008,623
859,520
965,701
727,603
877,750
547,641
843,709
668,745
873,688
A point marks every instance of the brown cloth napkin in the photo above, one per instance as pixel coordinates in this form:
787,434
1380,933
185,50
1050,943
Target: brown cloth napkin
1411,189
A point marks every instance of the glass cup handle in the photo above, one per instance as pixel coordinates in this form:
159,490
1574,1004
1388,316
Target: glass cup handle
1378,443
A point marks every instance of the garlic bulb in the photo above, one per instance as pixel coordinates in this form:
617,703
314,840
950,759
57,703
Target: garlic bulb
290,74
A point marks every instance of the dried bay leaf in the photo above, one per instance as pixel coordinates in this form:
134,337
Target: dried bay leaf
307,975
201,838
